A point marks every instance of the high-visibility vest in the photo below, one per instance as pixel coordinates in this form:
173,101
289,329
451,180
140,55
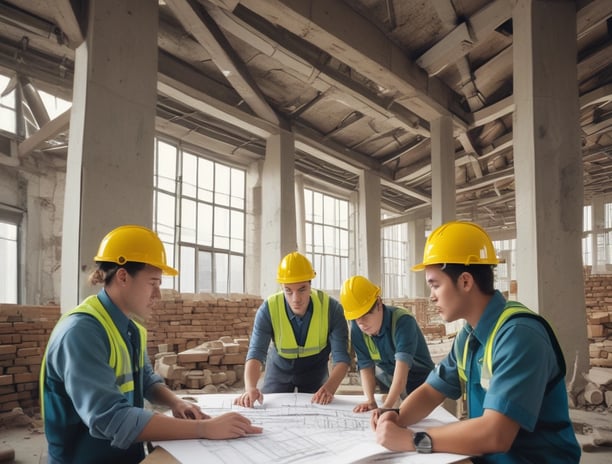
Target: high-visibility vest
119,358
369,341
284,338
512,309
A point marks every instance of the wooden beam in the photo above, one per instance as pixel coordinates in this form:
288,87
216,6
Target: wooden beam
46,132
591,16
66,18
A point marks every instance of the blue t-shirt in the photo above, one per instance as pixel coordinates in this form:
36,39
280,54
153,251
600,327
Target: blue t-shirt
524,366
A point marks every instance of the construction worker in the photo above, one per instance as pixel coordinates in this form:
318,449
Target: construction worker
506,361
305,326
96,374
390,347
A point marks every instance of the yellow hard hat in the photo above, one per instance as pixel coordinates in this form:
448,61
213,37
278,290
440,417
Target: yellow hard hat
458,243
294,268
357,296
134,244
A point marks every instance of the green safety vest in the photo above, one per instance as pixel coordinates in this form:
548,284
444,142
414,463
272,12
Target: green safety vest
284,338
511,309
119,358
395,315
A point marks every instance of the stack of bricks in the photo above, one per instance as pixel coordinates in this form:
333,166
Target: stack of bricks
24,331
426,316
212,365
598,301
183,321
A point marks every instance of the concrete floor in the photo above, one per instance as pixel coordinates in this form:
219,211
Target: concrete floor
29,442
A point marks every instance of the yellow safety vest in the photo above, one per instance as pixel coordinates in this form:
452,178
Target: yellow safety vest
395,315
284,338
119,358
511,309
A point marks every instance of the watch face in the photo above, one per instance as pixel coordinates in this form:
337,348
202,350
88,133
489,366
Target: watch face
422,442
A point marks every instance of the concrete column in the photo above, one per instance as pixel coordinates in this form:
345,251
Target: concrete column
548,171
109,175
416,241
443,196
278,228
369,227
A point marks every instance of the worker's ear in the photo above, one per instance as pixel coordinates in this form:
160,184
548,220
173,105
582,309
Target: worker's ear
465,281
121,275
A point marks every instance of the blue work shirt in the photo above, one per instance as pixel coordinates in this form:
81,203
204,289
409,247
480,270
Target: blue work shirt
308,373
524,366
410,346
87,418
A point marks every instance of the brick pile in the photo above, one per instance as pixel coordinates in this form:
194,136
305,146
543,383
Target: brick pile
24,331
212,365
427,316
598,302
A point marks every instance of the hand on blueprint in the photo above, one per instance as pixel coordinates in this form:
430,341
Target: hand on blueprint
390,435
228,425
322,396
392,414
249,397
365,407
187,410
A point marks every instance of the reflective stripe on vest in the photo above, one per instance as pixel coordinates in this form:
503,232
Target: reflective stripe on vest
511,309
284,338
119,358
369,341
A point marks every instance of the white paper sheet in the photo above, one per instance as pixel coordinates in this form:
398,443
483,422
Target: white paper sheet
296,431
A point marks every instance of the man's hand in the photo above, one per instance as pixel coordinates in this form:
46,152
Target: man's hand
322,396
249,397
379,412
187,410
392,436
364,407
228,425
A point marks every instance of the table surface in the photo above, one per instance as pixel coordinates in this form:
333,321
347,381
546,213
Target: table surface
296,431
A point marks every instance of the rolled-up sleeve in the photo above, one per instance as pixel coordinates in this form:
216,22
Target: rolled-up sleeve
445,377
338,333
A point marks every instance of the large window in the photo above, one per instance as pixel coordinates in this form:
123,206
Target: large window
327,238
200,217
8,118
9,268
395,261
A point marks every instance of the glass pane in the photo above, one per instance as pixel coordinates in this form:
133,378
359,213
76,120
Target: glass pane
205,224
166,167
164,218
329,239
8,117
9,268
206,174
188,221
187,274
237,188
237,239
308,204
222,185
317,239
205,272
221,228
190,175
236,274
221,273
343,214
317,207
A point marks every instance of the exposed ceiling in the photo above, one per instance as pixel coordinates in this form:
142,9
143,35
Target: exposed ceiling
324,68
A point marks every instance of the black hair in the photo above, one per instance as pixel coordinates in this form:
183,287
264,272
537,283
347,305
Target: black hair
107,270
481,273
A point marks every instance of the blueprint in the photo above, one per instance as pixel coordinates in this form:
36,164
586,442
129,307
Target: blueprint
296,431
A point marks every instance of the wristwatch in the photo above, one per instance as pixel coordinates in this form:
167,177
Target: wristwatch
422,442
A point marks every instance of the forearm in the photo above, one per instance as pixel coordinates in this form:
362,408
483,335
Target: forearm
398,385
419,404
162,427
162,395
252,372
368,383
335,377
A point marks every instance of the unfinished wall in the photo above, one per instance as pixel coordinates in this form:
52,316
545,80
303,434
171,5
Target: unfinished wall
598,302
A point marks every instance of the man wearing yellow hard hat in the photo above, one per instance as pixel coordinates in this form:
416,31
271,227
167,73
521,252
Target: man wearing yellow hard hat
506,362
305,326
96,374
390,347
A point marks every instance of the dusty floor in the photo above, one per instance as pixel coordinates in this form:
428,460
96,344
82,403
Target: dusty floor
29,444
